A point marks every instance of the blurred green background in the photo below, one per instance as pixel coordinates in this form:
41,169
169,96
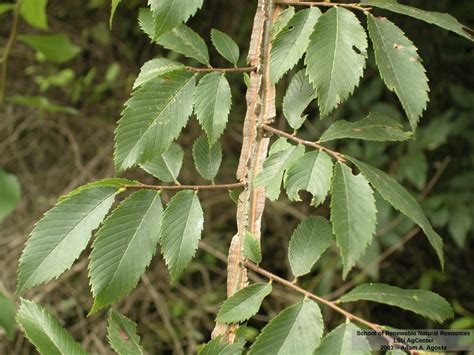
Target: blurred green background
67,80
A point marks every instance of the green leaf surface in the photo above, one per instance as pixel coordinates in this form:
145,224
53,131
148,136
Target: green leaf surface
340,342
291,42
116,183
244,304
61,235
124,247
34,12
145,22
312,172
166,166
225,45
400,66
154,68
153,118
295,330
122,334
42,103
422,302
56,48
353,215
181,229
45,332
113,7
218,346
7,316
6,7
309,241
10,193
401,200
185,41
440,19
207,158
375,127
281,21
336,57
168,14
212,102
297,98
252,249
274,168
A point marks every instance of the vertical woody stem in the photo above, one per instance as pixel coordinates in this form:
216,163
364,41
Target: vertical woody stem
260,99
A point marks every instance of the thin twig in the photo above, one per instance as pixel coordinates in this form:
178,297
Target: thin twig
353,6
222,70
335,154
308,294
7,49
232,186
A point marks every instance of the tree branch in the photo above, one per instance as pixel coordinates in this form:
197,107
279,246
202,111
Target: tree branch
353,6
7,49
335,154
222,70
232,186
308,294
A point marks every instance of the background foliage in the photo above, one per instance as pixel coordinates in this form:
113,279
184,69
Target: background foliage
56,133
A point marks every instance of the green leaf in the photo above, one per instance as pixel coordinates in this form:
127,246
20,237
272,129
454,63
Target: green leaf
45,332
124,247
375,127
34,12
244,304
218,346
168,14
153,118
281,21
274,168
185,41
116,183
122,334
56,48
422,302
166,167
145,22
181,231
113,8
312,172
340,342
442,20
212,102
295,330
10,193
42,103
336,57
62,234
252,249
291,42
309,241
400,66
297,98
207,158
401,200
6,7
7,316
353,215
154,68
459,225
225,45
